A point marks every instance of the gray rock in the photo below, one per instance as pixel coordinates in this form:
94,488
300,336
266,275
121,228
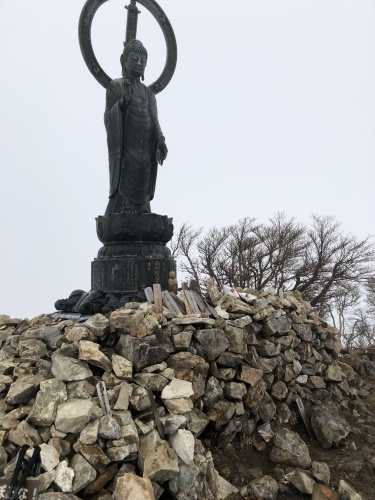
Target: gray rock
69,369
289,449
235,337
234,390
221,413
93,454
132,486
171,423
122,367
109,428
329,426
84,473
45,480
126,391
80,333
51,394
178,406
197,421
321,472
73,415
229,359
23,433
139,399
192,368
264,488
90,352
267,365
275,326
98,324
266,348
89,434
301,480
192,320
23,389
304,331
347,492
161,463
333,373
279,390
145,351
153,381
213,392
80,390
211,343
255,396
182,340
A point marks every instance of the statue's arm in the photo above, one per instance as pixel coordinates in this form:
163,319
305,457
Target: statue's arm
113,96
161,147
154,116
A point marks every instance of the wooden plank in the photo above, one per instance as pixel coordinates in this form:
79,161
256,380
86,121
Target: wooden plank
149,295
170,303
192,301
189,310
194,285
211,309
179,302
157,297
199,300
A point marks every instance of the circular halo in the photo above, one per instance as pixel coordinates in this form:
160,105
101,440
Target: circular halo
84,34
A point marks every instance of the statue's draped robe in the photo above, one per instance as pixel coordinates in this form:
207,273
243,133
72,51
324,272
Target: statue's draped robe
132,133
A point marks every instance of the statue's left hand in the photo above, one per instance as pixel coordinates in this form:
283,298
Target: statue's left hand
161,151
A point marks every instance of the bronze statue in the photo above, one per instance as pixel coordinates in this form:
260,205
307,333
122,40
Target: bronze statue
134,254
135,140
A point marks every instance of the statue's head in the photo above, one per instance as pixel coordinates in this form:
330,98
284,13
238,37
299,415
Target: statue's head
134,59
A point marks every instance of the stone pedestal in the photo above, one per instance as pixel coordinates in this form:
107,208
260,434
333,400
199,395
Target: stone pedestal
134,255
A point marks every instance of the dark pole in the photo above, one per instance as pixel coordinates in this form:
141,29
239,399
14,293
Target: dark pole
131,25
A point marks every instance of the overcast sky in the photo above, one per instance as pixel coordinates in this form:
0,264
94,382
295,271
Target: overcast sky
272,108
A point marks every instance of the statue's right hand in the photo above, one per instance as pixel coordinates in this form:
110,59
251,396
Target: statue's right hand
129,91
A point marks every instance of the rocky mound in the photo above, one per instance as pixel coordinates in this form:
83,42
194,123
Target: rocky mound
172,379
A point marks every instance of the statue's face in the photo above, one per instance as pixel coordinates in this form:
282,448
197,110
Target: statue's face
135,64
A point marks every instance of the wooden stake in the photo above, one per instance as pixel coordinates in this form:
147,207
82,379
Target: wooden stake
158,298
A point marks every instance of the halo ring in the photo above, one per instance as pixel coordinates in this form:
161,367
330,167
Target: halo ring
84,34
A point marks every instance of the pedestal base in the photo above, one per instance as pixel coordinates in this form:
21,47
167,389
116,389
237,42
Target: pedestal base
130,274
134,255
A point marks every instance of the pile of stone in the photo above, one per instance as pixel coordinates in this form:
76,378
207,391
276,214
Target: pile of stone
169,377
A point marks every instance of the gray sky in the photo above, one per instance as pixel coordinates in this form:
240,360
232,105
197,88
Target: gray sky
272,108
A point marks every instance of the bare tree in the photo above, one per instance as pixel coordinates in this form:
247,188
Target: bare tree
332,262
332,269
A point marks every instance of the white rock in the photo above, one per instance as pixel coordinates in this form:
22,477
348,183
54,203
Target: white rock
346,491
183,443
49,456
64,477
177,389
225,489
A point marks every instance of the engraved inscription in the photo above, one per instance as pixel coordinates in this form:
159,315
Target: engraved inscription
125,275
97,276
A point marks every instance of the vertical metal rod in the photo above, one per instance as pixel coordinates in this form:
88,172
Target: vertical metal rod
132,22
